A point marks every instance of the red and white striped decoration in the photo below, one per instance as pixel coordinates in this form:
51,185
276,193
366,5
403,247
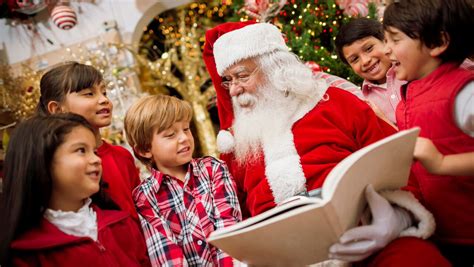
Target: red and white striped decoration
64,17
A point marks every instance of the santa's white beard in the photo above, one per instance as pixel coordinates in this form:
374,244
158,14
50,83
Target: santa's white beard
259,117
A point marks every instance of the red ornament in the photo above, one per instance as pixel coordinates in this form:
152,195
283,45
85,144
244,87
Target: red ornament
313,66
263,10
64,17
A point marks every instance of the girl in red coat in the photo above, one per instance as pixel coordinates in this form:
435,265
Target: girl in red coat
52,203
78,88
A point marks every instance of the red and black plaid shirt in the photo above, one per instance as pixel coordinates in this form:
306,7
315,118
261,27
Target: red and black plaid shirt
177,216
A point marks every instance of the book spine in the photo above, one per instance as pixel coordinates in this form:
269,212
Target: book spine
333,219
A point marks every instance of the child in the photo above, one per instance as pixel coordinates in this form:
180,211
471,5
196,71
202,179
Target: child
185,199
78,88
426,41
360,44
52,205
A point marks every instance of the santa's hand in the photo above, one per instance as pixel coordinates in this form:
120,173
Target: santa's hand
387,222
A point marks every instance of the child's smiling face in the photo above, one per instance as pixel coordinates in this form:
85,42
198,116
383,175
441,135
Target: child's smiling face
367,58
75,169
412,60
91,103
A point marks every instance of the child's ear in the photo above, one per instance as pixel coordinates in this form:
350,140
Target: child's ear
146,154
54,107
438,50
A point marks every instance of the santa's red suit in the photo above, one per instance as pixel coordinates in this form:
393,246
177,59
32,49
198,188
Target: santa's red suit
322,133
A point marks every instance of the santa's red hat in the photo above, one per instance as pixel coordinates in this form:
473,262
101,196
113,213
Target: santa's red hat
226,45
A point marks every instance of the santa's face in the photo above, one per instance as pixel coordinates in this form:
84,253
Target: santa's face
242,80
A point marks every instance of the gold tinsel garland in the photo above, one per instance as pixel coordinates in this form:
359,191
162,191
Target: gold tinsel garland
19,94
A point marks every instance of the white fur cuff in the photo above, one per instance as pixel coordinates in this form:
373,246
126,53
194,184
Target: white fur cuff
426,222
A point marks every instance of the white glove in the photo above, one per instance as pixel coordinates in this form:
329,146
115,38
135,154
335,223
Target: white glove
360,242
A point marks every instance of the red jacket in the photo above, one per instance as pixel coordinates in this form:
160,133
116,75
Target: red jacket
429,104
120,243
121,175
327,134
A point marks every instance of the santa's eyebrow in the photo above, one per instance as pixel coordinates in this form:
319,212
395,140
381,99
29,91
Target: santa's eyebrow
240,69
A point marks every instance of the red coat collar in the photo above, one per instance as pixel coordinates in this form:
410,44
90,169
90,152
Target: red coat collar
48,235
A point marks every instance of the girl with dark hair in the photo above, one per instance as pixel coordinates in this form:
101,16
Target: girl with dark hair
52,203
78,88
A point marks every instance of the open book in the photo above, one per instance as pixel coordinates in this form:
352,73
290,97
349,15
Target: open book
300,230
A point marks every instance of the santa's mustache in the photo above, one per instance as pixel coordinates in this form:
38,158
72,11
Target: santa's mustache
244,100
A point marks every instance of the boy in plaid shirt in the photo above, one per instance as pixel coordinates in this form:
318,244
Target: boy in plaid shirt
184,199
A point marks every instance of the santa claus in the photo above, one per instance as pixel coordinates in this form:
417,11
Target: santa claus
283,130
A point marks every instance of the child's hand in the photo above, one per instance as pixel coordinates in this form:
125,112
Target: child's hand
427,153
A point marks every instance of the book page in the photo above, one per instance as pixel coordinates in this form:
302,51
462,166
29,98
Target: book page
298,237
284,207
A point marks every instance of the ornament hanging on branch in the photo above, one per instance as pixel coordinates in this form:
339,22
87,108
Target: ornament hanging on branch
313,66
64,17
263,10
30,7
360,8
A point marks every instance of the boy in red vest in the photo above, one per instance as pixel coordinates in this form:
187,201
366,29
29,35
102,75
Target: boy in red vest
427,43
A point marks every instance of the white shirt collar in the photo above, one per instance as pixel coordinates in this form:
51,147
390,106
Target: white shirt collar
81,223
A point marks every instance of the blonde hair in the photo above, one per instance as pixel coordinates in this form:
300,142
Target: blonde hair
153,114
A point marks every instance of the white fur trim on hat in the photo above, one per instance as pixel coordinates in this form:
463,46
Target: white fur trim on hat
225,141
249,41
426,225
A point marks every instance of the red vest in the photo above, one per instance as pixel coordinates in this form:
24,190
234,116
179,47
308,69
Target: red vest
429,104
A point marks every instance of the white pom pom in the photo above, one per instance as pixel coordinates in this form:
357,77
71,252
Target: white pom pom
225,141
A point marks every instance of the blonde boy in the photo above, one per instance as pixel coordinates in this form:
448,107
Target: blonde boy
184,199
